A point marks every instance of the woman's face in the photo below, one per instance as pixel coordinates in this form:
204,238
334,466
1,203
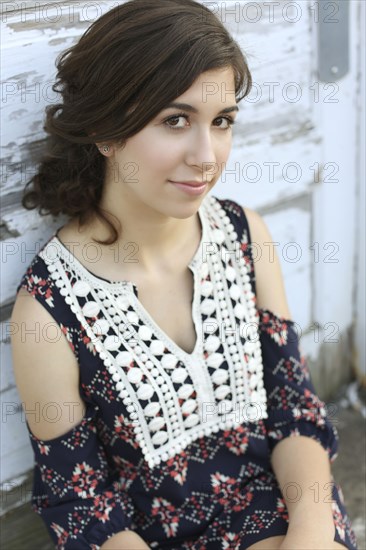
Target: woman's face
179,145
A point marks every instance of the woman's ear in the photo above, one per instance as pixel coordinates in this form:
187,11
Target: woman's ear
106,149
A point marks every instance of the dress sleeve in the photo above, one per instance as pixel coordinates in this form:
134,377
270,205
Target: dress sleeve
76,490
292,403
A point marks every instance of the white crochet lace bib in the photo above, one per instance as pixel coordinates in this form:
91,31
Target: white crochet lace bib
172,397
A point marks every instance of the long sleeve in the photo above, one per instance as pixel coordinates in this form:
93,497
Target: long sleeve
293,405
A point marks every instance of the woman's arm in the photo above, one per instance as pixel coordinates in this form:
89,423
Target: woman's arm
268,274
45,369
301,464
73,492
303,472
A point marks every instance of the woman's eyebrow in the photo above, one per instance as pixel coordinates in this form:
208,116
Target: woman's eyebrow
186,107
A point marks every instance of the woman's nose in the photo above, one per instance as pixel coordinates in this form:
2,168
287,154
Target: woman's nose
202,150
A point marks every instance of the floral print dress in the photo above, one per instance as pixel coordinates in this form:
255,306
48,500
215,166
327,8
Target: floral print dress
175,446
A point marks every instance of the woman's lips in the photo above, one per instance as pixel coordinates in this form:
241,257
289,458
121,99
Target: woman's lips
192,183
191,188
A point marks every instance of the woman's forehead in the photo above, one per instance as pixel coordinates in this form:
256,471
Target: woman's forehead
210,87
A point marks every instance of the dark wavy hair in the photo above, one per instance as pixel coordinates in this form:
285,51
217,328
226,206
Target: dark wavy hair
124,70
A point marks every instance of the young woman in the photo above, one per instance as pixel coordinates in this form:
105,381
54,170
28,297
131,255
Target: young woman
168,376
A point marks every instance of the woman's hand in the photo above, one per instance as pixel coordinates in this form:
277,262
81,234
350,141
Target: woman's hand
125,540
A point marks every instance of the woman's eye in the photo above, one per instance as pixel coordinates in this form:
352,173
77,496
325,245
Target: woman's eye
173,119
228,122
225,122
170,121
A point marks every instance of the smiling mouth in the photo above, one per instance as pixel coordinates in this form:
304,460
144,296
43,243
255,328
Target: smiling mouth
192,183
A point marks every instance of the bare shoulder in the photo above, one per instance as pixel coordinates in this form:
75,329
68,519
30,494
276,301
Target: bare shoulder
45,368
257,226
270,286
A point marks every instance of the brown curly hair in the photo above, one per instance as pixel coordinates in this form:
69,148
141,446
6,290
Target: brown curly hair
124,70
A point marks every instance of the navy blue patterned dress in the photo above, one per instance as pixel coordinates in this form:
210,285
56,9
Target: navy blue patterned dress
175,446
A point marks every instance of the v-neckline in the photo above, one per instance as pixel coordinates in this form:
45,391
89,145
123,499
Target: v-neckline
193,265
161,334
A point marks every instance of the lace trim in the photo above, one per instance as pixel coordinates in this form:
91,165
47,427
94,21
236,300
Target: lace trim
171,397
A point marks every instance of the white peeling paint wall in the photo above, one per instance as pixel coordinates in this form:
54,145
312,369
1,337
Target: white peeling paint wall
284,153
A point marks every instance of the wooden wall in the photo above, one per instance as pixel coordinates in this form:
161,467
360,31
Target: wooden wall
281,157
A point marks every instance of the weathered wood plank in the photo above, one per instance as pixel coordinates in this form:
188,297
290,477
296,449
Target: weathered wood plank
264,174
18,251
22,529
16,450
291,229
279,78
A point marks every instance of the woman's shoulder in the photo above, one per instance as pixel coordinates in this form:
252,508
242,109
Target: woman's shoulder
36,284
247,219
35,273
249,226
45,365
37,277
261,255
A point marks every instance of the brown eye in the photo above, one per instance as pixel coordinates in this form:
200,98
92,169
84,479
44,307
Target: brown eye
229,120
174,118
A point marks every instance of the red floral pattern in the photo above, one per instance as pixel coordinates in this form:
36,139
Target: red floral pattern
219,493
84,480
